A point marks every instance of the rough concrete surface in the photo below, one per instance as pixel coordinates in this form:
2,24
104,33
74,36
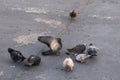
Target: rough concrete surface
98,22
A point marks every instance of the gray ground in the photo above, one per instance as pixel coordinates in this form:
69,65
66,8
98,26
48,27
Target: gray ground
97,22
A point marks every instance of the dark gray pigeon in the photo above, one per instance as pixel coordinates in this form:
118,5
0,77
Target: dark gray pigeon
55,44
33,60
80,48
16,55
92,50
73,14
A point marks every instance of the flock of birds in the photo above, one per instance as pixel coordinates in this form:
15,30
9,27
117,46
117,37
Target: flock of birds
81,52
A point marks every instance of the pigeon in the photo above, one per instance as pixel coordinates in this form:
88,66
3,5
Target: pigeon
92,50
80,48
48,52
16,55
73,14
82,58
55,44
68,64
33,60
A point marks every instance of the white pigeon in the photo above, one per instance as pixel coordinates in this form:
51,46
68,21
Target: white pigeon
82,58
68,64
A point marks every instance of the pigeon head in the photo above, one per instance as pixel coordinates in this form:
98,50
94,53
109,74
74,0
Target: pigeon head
10,50
59,40
90,44
40,38
23,58
33,60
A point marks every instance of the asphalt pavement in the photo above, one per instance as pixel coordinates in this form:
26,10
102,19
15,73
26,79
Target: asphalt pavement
98,22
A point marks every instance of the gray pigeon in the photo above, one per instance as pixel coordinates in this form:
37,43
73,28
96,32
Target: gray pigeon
16,55
82,58
92,50
73,14
55,44
80,48
33,60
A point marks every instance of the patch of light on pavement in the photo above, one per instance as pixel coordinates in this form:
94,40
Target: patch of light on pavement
32,10
28,39
42,76
104,17
53,23
1,73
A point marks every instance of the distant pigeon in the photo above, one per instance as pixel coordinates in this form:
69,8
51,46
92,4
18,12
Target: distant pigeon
33,60
68,64
80,48
92,50
73,14
55,44
16,55
82,58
